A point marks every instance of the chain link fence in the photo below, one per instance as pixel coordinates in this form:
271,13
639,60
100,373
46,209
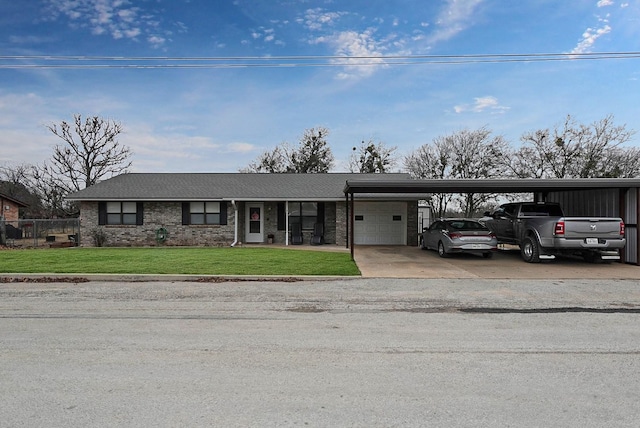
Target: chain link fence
34,233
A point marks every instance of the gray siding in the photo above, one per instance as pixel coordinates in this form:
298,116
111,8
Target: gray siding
598,202
632,204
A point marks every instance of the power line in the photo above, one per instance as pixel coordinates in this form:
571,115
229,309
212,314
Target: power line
142,62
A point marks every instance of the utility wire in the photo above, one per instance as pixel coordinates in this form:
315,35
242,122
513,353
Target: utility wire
141,62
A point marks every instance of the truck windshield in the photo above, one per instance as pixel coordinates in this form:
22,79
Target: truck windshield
541,210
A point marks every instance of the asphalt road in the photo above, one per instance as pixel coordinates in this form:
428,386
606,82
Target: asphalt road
358,353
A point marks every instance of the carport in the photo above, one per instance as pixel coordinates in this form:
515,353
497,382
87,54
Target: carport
602,197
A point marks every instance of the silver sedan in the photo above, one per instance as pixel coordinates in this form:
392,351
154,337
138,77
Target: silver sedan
459,235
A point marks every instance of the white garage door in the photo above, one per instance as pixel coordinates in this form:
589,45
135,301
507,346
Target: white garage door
380,223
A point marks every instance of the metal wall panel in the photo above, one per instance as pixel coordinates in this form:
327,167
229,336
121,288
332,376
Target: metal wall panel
631,202
606,203
631,249
597,203
631,220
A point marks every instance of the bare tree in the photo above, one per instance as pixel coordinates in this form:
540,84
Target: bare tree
15,181
433,161
274,161
13,177
477,155
574,150
90,153
466,154
312,155
526,162
372,158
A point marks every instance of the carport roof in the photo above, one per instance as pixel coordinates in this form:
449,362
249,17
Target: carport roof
487,185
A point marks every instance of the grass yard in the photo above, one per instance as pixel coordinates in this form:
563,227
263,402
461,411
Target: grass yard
195,261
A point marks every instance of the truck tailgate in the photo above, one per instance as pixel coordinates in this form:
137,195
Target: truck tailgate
577,227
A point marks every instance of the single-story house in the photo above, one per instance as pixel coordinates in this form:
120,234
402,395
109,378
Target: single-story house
183,209
9,208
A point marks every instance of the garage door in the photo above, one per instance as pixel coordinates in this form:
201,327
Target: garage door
380,223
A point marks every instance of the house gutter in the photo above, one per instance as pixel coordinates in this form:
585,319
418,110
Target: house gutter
235,226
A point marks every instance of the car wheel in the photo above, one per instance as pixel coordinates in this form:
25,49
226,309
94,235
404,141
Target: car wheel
487,255
441,251
530,250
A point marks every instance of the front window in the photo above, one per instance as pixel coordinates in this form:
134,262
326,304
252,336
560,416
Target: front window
204,212
121,212
303,213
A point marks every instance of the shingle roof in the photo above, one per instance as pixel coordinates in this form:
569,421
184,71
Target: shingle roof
224,186
14,200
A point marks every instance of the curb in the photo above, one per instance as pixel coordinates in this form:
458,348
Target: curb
54,277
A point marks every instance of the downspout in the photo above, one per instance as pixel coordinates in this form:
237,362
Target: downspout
235,226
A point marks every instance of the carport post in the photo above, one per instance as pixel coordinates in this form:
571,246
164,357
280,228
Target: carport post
351,220
346,220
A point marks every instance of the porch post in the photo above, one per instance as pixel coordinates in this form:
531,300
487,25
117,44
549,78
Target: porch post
346,219
286,223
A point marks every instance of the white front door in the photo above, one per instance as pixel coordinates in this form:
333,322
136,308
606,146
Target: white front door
254,222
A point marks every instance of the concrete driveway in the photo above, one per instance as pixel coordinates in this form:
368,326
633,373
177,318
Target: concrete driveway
412,262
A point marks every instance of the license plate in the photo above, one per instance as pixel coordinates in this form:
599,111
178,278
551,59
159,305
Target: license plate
592,241
476,246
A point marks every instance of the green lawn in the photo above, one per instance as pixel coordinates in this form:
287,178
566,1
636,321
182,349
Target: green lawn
196,261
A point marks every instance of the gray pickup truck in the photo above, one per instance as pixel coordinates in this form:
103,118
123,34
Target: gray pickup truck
542,231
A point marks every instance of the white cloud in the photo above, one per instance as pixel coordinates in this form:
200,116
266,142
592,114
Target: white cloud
266,35
592,34
480,105
317,19
117,18
454,18
240,148
589,38
361,52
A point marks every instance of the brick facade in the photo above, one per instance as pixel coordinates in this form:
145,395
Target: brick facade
9,210
168,215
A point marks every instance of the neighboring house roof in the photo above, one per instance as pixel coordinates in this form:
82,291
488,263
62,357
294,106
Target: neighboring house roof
14,200
229,186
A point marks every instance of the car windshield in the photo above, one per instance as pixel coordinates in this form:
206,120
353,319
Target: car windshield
465,225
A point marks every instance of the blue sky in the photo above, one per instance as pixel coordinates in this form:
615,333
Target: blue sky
219,119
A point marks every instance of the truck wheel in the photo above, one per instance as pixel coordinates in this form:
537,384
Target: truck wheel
441,251
530,250
593,257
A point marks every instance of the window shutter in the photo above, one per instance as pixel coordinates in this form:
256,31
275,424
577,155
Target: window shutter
102,213
223,213
320,218
185,213
282,216
139,213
